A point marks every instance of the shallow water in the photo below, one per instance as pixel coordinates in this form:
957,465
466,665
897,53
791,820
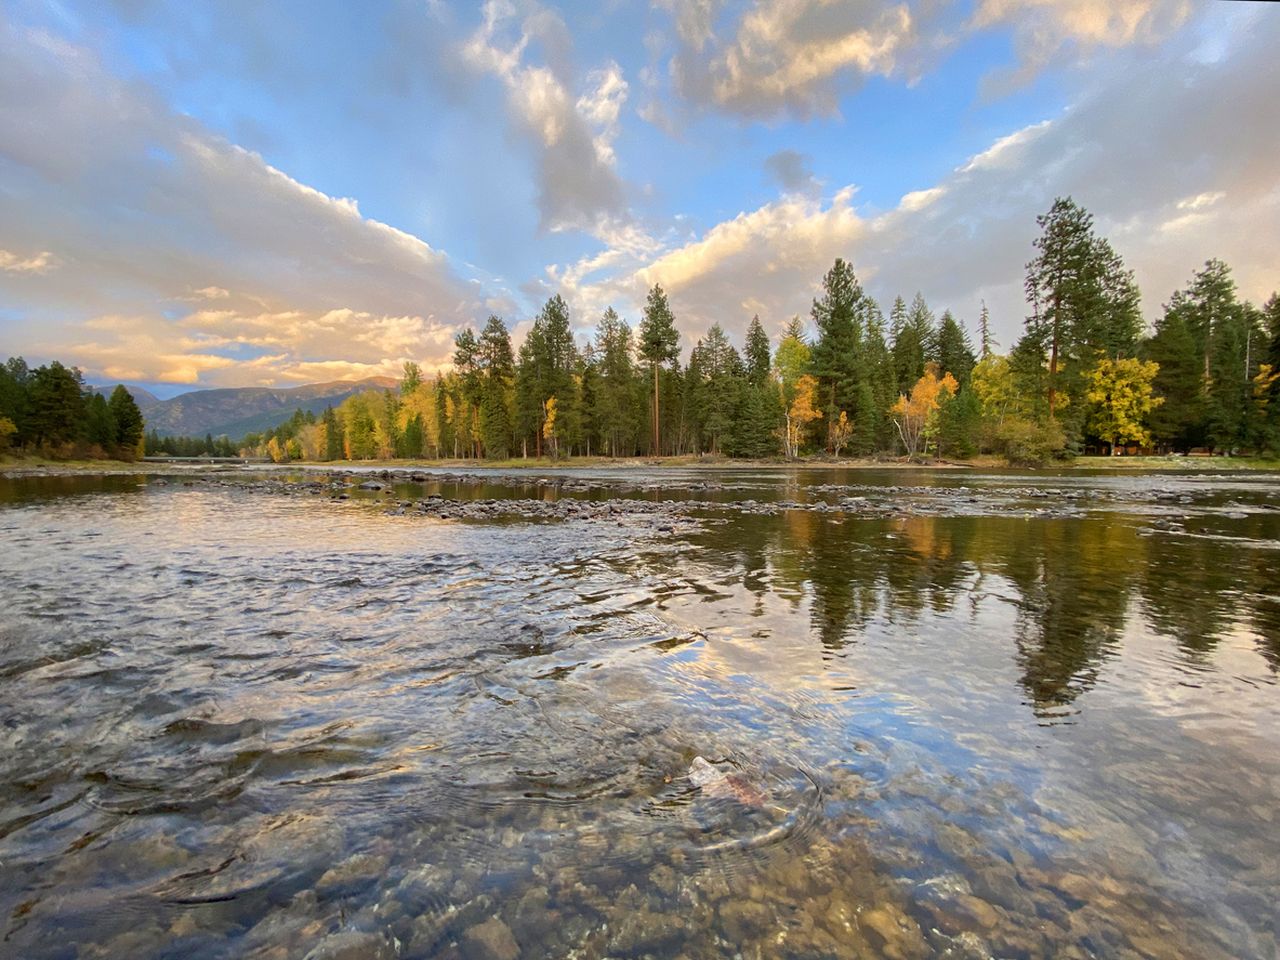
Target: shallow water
968,715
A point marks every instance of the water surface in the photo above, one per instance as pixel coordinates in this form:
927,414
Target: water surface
965,715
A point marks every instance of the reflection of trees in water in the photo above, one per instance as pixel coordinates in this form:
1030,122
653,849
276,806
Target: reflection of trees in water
1075,579
1266,612
1196,589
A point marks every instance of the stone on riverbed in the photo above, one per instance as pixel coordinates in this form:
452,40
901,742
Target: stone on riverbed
352,945
716,781
491,940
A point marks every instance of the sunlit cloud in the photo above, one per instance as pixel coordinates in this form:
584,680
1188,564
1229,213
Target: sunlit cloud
41,262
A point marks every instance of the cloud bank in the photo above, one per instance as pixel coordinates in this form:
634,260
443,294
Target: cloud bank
140,216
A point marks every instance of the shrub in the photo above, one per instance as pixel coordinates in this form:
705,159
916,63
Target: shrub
1025,443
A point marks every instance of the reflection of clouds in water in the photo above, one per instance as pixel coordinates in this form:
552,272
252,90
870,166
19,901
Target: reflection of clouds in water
413,728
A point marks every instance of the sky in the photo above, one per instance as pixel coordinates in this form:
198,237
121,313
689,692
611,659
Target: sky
236,193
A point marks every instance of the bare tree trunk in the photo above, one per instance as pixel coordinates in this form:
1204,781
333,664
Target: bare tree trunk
657,439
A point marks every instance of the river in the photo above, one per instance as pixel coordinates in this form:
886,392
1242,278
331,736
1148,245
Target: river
945,714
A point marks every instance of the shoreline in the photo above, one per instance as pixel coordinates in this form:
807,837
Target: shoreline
39,467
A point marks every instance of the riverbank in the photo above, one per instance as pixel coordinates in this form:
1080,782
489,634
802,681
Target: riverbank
40,466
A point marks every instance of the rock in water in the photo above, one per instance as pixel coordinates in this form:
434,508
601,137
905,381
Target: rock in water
491,940
717,782
702,772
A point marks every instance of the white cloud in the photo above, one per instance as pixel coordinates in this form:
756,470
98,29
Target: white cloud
573,137
1178,169
787,55
1046,29
798,57
193,257
41,262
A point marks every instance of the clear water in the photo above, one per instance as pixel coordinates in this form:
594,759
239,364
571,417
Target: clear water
958,715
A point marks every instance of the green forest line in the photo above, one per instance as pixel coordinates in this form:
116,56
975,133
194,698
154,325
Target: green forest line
1085,376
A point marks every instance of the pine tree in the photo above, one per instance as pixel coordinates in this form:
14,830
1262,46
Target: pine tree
497,369
955,354
334,445
835,357
659,344
619,385
15,400
127,421
466,364
1055,283
100,426
757,353
716,387
57,404
913,343
984,331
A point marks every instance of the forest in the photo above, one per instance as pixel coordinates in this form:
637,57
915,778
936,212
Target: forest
49,410
1084,376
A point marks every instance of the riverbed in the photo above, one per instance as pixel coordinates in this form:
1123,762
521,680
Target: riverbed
341,714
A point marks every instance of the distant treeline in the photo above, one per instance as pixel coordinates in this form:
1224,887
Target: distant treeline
1083,374
49,410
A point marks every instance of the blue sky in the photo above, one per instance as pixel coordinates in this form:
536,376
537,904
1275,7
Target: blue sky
243,193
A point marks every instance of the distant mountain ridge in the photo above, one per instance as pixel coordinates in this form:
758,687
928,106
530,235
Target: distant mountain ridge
235,411
143,397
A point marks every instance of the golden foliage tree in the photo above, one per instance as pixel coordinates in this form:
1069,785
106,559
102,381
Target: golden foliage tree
842,433
549,432
801,412
1120,397
916,416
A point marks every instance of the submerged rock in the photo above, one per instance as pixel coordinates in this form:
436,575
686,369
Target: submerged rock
491,940
715,781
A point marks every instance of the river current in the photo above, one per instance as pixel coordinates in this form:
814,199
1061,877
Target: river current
945,714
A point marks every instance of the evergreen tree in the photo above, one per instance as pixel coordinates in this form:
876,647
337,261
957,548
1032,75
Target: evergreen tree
446,438
757,355
619,386
921,319
497,367
15,400
955,354
57,404
100,426
659,344
412,438
897,318
984,331
881,379
836,355
127,421
591,422
1054,281
960,424
468,396
528,391
1085,303
754,432
714,388
334,447
546,368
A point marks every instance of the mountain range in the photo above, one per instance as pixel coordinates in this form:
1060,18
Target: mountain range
235,411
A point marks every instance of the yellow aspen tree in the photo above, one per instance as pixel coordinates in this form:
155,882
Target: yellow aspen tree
549,426
1120,397
802,412
916,416
842,434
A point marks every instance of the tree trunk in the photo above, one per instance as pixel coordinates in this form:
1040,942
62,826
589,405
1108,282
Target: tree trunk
657,439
